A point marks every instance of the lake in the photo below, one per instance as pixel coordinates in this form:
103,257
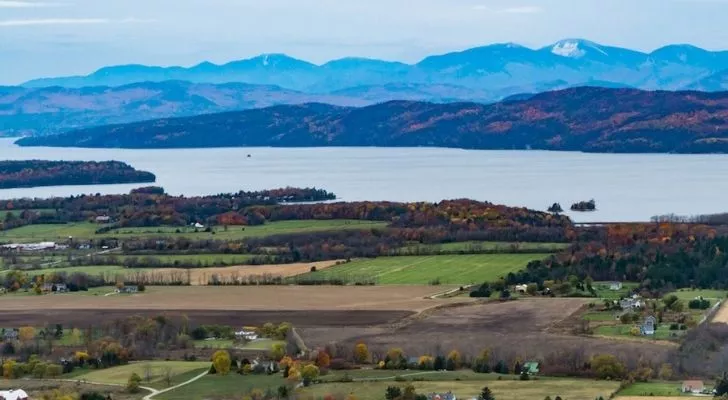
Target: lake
626,187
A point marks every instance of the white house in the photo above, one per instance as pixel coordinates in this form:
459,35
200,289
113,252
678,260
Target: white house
521,288
247,335
695,387
198,225
18,394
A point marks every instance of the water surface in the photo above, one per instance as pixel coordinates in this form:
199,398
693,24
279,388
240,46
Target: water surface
627,187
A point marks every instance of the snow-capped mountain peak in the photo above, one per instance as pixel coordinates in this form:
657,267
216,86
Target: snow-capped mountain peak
575,48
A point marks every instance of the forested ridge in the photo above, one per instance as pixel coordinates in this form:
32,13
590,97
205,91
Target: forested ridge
32,173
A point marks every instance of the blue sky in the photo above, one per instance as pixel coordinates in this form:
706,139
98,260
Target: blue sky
65,37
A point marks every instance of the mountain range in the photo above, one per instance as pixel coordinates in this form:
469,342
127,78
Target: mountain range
488,74
579,119
499,69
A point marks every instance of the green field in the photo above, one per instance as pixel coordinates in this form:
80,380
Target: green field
653,389
690,294
258,345
120,375
91,270
448,269
465,384
623,330
502,390
599,316
53,232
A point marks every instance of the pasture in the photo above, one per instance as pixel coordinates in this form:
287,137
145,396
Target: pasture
155,369
371,384
651,389
690,294
442,269
87,230
571,389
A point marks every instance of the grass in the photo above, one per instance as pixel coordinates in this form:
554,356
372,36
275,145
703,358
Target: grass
604,292
464,384
91,270
652,389
228,386
120,375
448,269
623,330
599,316
56,232
257,345
502,390
690,294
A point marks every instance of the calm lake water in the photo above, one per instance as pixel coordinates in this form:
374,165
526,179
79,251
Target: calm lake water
626,187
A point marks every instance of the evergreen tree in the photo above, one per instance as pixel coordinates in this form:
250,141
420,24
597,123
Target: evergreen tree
486,394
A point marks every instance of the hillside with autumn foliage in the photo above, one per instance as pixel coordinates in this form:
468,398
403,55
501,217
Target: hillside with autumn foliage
32,173
580,119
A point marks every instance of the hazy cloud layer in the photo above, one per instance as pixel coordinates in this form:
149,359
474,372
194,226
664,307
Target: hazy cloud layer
66,37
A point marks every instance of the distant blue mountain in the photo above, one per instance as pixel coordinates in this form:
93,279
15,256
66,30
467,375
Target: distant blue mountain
499,69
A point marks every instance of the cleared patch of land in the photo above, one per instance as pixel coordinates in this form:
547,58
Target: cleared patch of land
502,390
690,294
651,389
58,232
202,276
120,375
445,269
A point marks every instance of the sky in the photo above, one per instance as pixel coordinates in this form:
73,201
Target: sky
44,38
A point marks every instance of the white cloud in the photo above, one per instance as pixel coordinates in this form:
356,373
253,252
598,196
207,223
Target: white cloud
28,4
70,21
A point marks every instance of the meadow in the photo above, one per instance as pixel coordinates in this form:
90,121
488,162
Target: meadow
651,389
372,385
120,375
442,269
87,230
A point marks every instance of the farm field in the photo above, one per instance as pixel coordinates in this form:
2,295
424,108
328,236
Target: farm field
257,345
202,260
57,232
502,390
651,389
268,298
467,385
91,270
35,388
444,269
690,294
623,330
201,276
120,375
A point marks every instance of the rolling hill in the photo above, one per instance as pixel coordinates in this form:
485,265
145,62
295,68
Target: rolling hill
578,119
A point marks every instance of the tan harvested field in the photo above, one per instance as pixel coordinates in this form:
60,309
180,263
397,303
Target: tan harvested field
722,315
244,298
516,326
301,305
201,276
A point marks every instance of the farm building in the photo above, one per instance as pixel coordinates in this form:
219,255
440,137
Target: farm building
521,288
103,219
247,335
18,394
441,396
648,327
128,289
531,367
693,386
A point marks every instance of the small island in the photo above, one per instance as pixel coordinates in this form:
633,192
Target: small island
34,173
582,206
